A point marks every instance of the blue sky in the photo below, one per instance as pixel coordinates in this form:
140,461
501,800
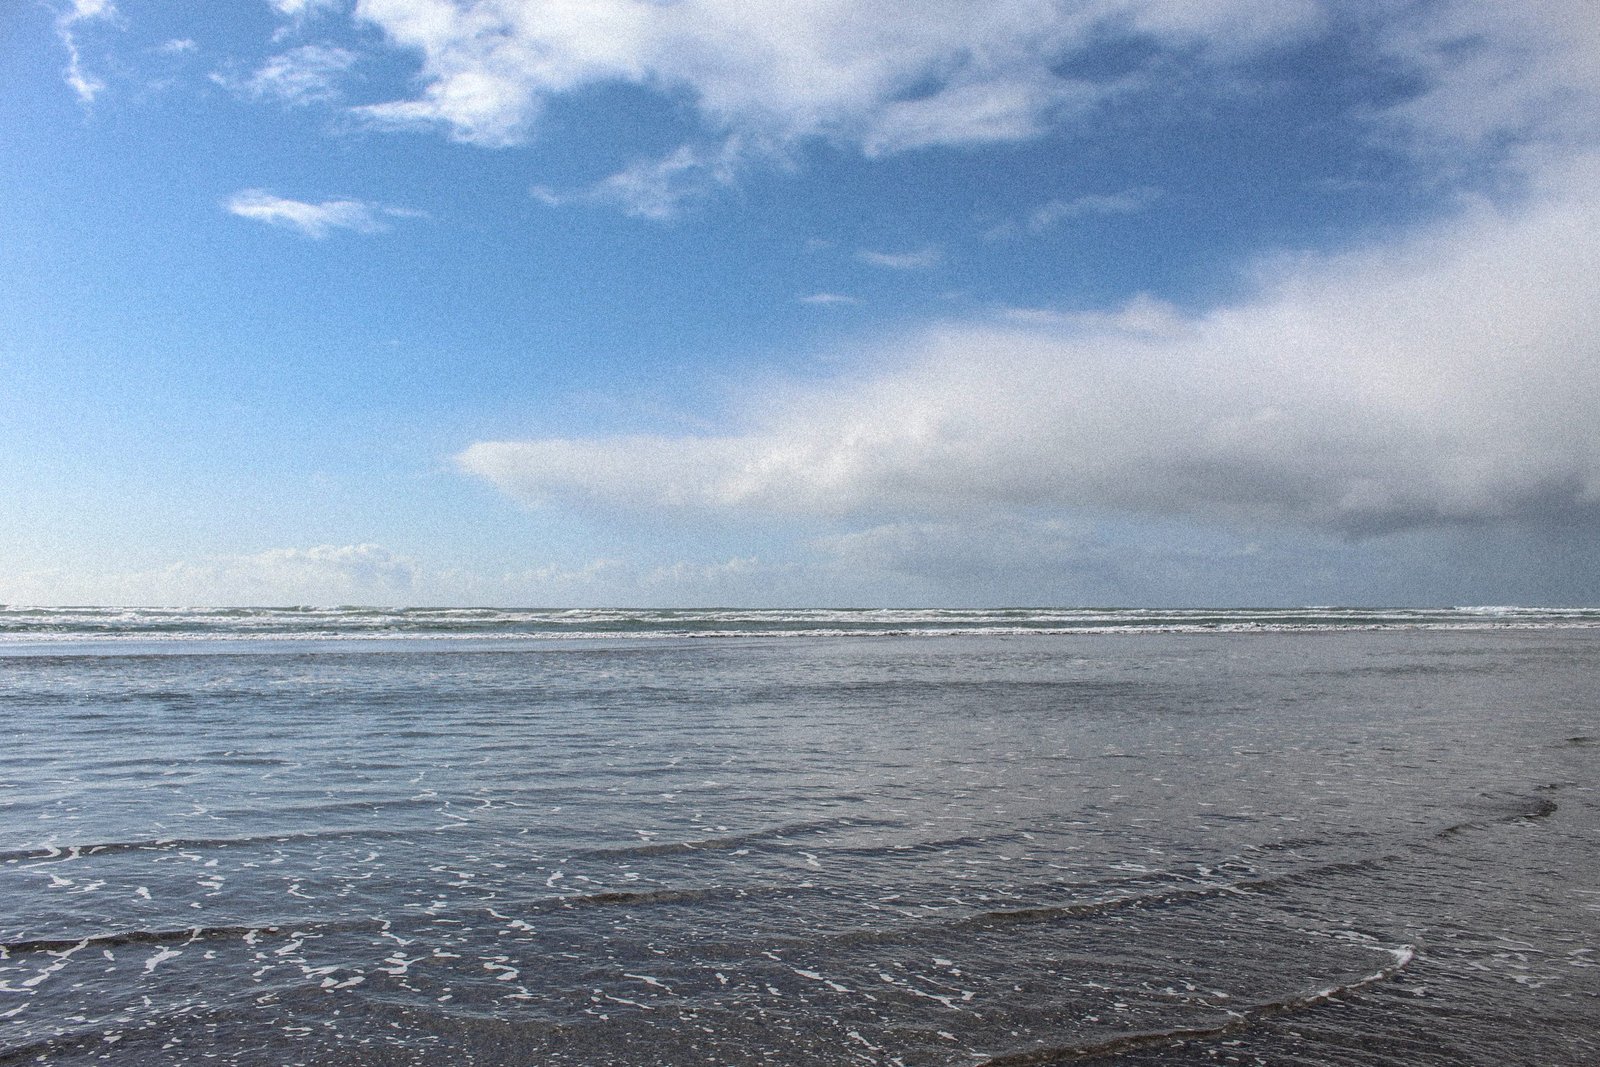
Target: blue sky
818,302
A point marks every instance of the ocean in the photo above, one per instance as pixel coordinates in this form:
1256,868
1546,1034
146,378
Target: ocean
948,838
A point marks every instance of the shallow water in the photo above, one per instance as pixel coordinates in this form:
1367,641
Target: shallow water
1299,844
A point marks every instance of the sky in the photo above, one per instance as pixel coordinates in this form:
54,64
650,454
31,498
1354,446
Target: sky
760,303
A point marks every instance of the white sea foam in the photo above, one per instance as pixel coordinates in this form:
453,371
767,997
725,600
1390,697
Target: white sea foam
24,629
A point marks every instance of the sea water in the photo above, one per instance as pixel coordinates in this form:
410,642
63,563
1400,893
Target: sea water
949,838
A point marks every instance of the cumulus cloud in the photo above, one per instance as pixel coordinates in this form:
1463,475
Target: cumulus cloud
1452,377
312,220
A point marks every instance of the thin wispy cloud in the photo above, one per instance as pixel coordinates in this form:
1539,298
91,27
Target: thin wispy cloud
828,299
660,188
305,75
302,8
84,84
1053,213
919,259
657,189
315,220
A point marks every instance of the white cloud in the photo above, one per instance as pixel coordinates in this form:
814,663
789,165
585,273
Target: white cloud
1054,212
887,77
84,84
920,259
1124,203
312,220
1452,377
303,75
658,189
548,196
298,9
1501,73
894,77
828,299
